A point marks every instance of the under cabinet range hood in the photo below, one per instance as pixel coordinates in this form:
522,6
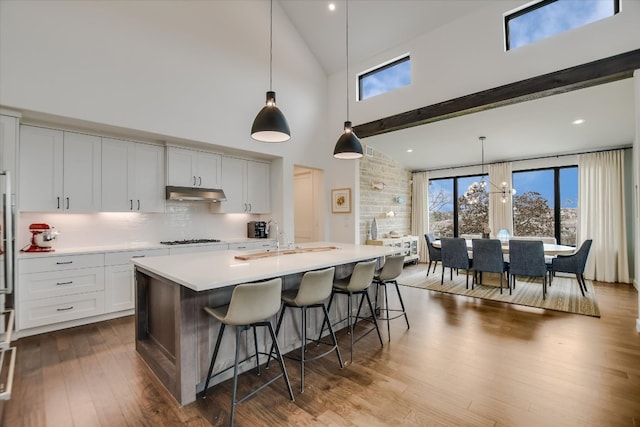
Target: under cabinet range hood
195,194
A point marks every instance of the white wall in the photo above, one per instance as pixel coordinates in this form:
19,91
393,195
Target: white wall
636,193
185,71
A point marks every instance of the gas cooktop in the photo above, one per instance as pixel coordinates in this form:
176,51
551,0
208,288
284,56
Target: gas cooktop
190,241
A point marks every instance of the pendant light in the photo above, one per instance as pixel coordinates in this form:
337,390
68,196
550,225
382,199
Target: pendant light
348,145
270,125
476,188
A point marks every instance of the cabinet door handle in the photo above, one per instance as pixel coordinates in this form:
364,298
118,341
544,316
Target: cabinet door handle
64,283
65,309
64,262
200,181
131,204
67,203
250,208
138,256
241,247
58,202
245,207
194,180
138,204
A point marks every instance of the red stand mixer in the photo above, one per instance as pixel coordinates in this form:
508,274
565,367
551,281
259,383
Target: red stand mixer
42,237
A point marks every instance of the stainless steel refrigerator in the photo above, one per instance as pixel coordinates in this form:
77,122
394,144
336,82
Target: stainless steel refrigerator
7,282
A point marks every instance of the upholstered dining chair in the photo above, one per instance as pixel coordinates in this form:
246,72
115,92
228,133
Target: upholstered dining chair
488,257
526,258
574,263
455,256
435,254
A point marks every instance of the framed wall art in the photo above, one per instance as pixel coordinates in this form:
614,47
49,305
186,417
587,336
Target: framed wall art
341,200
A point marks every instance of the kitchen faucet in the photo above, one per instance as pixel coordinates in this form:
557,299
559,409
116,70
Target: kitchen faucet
271,221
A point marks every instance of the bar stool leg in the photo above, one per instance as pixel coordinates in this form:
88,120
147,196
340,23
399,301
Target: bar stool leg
386,304
274,339
303,326
349,315
213,360
326,319
235,376
404,311
373,315
255,343
333,335
282,310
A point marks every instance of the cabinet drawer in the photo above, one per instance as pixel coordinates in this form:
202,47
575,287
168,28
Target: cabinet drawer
117,258
196,249
57,263
59,283
61,309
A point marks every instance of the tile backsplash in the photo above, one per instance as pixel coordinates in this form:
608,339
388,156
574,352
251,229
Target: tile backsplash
182,220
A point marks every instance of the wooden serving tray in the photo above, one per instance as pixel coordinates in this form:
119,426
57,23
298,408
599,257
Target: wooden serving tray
266,254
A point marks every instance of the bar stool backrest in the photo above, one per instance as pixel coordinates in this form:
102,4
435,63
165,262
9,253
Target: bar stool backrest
392,268
254,302
362,276
315,287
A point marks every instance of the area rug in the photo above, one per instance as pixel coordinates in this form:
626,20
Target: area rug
563,295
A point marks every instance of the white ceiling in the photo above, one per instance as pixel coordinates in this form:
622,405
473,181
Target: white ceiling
530,129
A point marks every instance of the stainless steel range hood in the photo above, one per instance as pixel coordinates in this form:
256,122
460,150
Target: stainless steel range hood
197,194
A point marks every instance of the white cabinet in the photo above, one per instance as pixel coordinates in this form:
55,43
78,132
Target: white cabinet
8,145
262,244
407,245
59,171
59,288
119,282
193,168
247,185
132,176
181,250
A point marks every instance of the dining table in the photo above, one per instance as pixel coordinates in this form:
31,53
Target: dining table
550,249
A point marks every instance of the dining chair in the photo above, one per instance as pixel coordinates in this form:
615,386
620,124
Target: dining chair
455,255
526,258
435,254
488,257
574,263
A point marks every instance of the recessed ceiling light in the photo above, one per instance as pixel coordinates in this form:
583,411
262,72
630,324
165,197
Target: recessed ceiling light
578,121
409,150
332,6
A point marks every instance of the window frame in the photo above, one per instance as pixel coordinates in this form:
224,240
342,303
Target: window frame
377,69
533,6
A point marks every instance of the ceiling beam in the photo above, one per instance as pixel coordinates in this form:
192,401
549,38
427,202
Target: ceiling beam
605,70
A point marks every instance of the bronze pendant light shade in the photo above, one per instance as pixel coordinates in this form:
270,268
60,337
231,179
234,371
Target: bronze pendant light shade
348,146
270,125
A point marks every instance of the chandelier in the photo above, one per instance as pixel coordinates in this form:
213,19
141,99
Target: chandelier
475,191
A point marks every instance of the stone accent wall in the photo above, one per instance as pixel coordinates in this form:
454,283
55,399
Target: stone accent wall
382,170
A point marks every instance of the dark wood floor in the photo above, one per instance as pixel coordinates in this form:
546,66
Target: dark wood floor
463,362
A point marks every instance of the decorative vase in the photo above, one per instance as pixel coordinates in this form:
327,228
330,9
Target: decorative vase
374,230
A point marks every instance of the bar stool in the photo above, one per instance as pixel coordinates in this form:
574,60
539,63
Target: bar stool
357,284
314,289
392,268
250,306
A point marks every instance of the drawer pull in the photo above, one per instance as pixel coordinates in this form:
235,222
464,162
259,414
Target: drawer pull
138,256
64,283
65,309
64,262
241,247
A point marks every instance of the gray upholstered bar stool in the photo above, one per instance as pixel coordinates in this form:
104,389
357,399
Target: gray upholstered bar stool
356,284
391,269
314,289
251,305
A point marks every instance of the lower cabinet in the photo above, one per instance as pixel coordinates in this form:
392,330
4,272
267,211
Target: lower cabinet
407,245
59,288
119,285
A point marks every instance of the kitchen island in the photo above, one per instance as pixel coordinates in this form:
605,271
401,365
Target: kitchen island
173,334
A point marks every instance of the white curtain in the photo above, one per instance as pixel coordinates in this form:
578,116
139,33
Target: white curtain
500,214
602,215
420,211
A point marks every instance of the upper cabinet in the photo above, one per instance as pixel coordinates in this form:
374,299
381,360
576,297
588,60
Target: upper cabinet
59,171
8,144
132,176
193,168
246,183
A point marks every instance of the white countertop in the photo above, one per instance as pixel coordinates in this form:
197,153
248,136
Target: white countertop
138,246
212,270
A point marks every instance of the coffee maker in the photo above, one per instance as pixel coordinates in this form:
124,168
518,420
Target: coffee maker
257,229
42,237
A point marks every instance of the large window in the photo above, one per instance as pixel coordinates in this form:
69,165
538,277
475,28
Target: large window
547,18
385,78
545,204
